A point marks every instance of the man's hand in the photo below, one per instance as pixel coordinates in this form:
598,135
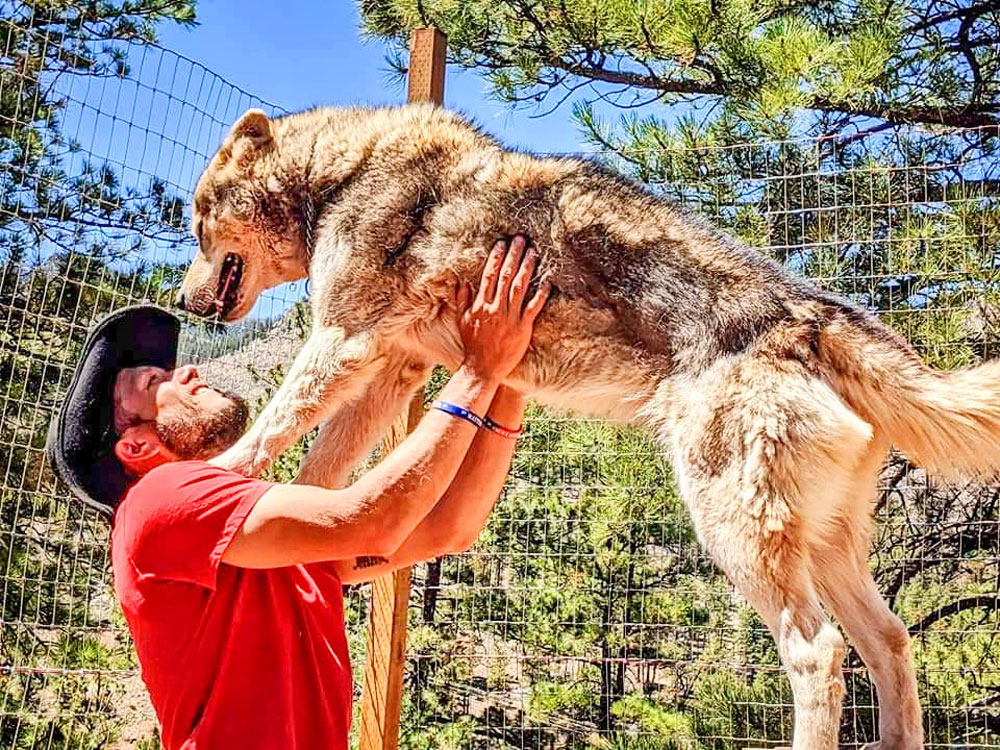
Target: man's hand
496,328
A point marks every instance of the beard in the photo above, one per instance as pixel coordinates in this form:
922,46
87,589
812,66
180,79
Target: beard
200,436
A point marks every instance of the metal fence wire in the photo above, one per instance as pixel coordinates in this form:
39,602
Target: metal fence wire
586,615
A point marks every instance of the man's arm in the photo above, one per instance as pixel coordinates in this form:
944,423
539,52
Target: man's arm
300,524
454,523
293,524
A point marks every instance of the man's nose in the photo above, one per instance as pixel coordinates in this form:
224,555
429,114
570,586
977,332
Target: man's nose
185,374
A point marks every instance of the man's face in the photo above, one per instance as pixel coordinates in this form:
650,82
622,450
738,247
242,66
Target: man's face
193,420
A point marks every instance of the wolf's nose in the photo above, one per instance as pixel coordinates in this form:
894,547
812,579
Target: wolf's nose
180,300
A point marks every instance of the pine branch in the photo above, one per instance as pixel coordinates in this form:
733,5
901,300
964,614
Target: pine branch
533,46
984,601
954,116
970,13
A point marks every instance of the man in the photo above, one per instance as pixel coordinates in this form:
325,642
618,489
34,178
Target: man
232,587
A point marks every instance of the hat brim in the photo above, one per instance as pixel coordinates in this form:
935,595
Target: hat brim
81,438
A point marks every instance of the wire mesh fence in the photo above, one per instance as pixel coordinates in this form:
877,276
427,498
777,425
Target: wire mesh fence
585,616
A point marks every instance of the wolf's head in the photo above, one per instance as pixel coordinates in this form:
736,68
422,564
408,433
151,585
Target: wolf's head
247,216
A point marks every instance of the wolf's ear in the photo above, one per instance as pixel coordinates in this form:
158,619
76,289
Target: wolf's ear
255,126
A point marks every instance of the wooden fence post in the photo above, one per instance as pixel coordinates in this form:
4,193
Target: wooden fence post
390,597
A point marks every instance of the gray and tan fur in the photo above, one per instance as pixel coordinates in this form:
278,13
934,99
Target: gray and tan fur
776,401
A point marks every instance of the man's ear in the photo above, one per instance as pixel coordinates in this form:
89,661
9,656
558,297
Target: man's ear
253,125
140,450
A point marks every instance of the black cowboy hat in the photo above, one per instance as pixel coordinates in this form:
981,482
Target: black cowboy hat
82,436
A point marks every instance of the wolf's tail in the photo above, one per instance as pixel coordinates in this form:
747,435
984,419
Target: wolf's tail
944,421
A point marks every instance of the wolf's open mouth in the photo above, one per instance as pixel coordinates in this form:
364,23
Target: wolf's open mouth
227,294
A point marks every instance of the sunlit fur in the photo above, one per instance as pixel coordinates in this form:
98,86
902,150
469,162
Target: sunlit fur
776,401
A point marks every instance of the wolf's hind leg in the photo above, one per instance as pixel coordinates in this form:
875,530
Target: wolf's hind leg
812,652
766,452
884,644
772,574
848,590
350,433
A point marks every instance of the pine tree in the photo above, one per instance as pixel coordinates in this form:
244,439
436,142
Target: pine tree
892,61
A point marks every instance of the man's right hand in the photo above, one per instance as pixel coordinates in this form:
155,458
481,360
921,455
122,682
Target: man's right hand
496,327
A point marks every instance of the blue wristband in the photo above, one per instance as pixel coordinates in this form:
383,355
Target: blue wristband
458,411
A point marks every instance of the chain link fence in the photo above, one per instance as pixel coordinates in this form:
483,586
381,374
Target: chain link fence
586,616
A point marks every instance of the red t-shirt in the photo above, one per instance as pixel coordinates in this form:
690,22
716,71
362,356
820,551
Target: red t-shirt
232,657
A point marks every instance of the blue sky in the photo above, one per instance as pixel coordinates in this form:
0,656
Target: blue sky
300,54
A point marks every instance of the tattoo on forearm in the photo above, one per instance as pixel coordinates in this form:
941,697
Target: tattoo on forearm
369,561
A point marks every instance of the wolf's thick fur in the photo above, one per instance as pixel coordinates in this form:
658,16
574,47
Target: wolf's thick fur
775,400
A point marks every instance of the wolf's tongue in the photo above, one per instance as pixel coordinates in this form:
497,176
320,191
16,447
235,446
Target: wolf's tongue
220,300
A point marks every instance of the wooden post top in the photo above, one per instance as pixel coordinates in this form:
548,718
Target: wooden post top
426,69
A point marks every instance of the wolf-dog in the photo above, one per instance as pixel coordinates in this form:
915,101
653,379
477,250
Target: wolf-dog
775,401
